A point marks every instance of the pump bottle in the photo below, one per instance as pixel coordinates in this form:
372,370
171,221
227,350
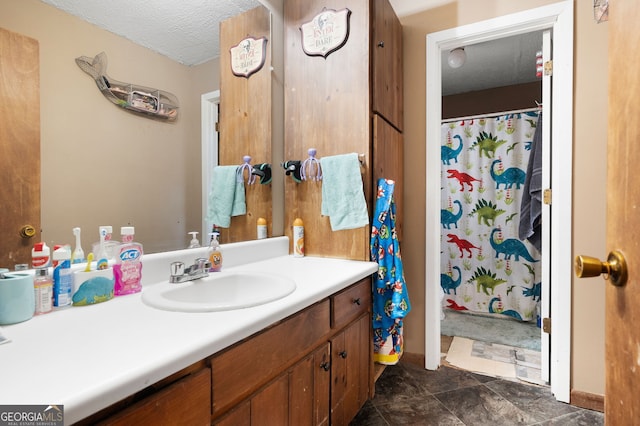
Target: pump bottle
215,253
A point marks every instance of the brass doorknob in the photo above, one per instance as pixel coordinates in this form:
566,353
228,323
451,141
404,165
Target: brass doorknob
615,268
27,231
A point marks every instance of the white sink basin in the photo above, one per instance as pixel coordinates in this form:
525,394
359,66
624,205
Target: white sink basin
220,291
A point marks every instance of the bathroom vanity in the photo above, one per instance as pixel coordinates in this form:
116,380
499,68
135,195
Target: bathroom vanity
305,358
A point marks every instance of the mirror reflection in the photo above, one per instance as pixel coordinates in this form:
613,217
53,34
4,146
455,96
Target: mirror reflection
98,164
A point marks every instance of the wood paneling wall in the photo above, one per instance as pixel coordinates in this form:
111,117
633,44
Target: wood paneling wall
245,119
499,99
327,107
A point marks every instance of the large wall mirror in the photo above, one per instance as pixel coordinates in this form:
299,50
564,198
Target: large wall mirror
101,165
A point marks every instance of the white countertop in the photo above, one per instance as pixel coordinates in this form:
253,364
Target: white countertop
87,358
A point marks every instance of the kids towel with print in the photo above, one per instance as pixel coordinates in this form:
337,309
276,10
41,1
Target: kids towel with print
227,196
342,194
390,297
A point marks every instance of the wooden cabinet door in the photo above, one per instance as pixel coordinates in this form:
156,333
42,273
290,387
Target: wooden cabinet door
321,385
270,406
309,383
386,54
19,146
241,416
350,369
388,153
299,396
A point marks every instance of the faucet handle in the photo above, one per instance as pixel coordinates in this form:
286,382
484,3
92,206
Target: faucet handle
177,268
202,263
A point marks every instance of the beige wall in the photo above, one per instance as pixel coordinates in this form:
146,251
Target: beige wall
162,159
589,170
102,165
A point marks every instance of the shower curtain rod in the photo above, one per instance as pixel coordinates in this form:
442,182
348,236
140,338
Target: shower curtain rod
490,114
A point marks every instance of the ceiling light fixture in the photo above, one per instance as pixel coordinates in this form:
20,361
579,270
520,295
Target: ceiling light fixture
457,57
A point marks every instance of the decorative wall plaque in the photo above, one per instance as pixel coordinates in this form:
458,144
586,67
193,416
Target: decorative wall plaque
327,32
248,56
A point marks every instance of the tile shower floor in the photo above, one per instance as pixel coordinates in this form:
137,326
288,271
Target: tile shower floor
406,394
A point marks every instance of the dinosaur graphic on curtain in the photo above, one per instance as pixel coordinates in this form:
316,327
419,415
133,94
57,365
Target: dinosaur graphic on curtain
484,266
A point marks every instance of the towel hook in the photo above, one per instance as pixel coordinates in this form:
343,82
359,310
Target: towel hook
293,168
246,165
263,171
311,167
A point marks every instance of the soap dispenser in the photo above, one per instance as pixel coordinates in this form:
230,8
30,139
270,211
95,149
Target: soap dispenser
194,243
215,253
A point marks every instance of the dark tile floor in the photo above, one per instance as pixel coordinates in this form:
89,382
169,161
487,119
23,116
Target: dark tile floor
407,394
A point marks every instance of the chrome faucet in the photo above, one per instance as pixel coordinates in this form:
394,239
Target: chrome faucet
180,274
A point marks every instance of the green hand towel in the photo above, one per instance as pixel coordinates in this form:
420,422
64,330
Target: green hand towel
227,196
342,194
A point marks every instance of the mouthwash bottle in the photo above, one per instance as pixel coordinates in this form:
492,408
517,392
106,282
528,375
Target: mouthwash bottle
127,271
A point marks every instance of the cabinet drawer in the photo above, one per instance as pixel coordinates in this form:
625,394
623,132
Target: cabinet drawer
187,401
350,303
242,369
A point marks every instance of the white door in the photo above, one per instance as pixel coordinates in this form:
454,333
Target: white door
558,18
545,305
209,106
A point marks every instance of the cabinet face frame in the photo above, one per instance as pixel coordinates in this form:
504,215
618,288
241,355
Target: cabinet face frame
312,395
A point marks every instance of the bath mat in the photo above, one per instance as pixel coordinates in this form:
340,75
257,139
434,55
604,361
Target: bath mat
496,360
504,331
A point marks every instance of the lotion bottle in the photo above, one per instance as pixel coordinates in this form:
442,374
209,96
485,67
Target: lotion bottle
262,228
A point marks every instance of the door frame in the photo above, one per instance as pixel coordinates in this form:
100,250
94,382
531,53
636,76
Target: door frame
559,18
209,106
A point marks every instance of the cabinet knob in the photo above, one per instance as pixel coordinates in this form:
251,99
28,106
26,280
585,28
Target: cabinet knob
325,366
381,44
356,301
343,354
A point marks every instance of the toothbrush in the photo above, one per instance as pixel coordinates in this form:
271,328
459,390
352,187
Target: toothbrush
101,259
89,260
78,254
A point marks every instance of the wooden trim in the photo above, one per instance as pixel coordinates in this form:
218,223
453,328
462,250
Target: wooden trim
411,358
379,369
590,401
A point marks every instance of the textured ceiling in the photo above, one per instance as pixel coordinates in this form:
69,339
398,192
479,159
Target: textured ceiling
187,31
502,62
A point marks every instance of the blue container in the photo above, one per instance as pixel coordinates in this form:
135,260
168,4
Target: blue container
17,297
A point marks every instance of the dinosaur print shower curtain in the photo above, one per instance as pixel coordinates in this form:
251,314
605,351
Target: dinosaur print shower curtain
484,267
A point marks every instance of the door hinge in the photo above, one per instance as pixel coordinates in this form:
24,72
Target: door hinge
546,196
217,126
546,325
548,68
